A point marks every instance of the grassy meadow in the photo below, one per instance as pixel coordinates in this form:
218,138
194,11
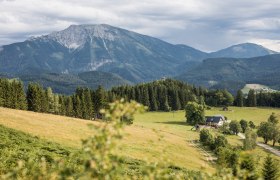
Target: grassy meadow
154,136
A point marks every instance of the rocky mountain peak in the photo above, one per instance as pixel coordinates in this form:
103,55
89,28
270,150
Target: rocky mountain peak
77,35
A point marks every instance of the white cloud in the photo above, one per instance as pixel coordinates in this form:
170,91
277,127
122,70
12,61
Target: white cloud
269,43
208,25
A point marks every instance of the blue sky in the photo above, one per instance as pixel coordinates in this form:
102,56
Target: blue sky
207,25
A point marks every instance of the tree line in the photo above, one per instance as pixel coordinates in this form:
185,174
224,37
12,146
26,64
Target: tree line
84,103
253,99
161,95
169,94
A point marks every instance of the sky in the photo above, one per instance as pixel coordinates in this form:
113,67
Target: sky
208,25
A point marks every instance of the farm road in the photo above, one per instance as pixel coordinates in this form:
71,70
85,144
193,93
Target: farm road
265,146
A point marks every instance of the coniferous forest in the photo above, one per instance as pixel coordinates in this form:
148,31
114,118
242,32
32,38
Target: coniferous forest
161,95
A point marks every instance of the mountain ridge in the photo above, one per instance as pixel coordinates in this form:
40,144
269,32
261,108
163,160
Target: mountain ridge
217,72
132,56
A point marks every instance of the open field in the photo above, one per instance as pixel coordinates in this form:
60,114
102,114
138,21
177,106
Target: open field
142,138
257,115
139,143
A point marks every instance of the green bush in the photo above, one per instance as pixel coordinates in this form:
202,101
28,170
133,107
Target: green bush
206,138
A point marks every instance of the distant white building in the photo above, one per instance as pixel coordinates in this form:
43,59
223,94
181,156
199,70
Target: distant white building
216,120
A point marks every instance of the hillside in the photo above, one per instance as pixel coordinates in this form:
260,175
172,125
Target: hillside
245,50
67,83
81,48
233,74
141,141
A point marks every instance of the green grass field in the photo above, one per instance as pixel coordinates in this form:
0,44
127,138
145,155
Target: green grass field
153,136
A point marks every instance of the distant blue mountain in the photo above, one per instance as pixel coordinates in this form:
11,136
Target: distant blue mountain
234,73
81,48
245,50
122,54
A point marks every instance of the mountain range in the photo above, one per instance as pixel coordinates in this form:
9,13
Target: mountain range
118,56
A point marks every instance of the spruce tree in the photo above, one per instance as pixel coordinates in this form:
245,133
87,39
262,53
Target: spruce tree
176,105
251,100
69,106
77,107
44,100
21,97
239,99
50,97
270,169
1,93
145,97
248,164
34,98
100,100
62,102
153,100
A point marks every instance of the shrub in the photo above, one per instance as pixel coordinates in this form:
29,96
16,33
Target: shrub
205,137
250,140
244,125
235,127
252,125
220,141
249,165
224,129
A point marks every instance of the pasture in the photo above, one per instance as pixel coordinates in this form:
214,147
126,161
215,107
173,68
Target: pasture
154,136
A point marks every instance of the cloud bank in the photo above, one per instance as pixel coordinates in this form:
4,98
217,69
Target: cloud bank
206,25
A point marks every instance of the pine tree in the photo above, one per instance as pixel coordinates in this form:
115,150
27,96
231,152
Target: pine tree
50,97
77,107
251,100
44,100
175,102
145,97
34,97
270,169
7,94
239,99
248,164
153,100
62,102
1,93
21,97
69,106
99,100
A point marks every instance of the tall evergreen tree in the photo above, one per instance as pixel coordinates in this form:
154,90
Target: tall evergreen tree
21,97
34,97
239,98
77,105
69,106
153,100
50,97
145,97
252,100
100,101
270,169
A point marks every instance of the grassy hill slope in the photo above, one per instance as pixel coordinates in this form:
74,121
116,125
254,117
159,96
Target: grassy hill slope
141,141
142,138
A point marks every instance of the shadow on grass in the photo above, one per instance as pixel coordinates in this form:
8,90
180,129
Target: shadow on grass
182,123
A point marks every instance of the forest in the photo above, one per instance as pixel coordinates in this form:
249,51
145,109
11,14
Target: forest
161,95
